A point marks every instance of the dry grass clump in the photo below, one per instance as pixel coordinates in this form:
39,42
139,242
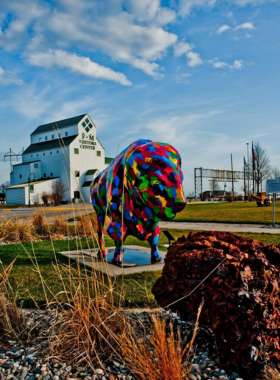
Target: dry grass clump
40,224
90,319
60,227
85,226
17,231
12,321
272,374
161,355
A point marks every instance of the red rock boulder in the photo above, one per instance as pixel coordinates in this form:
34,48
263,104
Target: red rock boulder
241,295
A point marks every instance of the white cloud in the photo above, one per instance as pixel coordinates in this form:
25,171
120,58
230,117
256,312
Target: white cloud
222,29
125,30
181,48
150,11
187,6
150,68
193,59
76,64
237,64
246,25
7,77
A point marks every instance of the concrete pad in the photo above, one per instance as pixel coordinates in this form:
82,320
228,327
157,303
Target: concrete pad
89,258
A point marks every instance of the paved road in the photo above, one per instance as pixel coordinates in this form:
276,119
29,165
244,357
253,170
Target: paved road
71,210
230,227
68,211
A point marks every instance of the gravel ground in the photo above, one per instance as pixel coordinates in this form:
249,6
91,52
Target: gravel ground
26,361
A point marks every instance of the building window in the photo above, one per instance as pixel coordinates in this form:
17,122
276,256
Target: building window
45,175
40,139
76,150
77,173
37,155
51,174
20,176
50,152
57,151
59,135
98,153
46,138
66,134
52,137
36,166
87,125
43,154
31,155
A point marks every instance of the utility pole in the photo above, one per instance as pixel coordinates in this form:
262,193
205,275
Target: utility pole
248,187
232,185
10,156
244,179
253,166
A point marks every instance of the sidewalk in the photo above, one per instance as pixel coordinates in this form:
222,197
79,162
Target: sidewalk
229,227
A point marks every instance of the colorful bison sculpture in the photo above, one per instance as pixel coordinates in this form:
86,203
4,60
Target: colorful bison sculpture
141,186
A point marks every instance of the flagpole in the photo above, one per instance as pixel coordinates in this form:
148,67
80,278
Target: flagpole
244,179
253,167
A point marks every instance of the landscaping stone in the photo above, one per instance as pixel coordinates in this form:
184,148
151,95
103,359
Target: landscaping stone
242,300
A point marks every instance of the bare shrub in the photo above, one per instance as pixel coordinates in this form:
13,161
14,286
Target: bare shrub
40,224
47,198
16,231
59,191
59,226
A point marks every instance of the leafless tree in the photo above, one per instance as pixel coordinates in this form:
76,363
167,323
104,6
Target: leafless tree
275,172
4,186
214,186
262,166
59,191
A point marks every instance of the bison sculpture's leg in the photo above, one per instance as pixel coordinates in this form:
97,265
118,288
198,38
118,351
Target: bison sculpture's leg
155,256
118,234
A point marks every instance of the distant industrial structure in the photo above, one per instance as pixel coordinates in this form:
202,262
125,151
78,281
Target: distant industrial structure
66,150
219,175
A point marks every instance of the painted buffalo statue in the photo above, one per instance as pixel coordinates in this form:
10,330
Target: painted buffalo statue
140,187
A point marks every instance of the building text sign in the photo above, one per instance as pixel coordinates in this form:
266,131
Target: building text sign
273,186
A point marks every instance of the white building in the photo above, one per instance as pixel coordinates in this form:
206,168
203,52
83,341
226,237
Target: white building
66,150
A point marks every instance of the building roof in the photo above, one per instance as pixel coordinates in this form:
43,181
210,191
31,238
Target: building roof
58,124
87,183
91,171
27,163
108,160
25,184
51,144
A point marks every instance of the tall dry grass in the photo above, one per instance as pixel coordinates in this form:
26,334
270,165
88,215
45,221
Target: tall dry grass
271,374
12,321
159,353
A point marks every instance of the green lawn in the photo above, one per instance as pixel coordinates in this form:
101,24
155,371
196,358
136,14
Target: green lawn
26,282
237,212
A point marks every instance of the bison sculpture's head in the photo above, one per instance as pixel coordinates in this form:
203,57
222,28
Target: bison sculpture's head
153,171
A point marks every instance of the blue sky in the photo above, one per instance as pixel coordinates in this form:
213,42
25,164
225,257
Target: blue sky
202,75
